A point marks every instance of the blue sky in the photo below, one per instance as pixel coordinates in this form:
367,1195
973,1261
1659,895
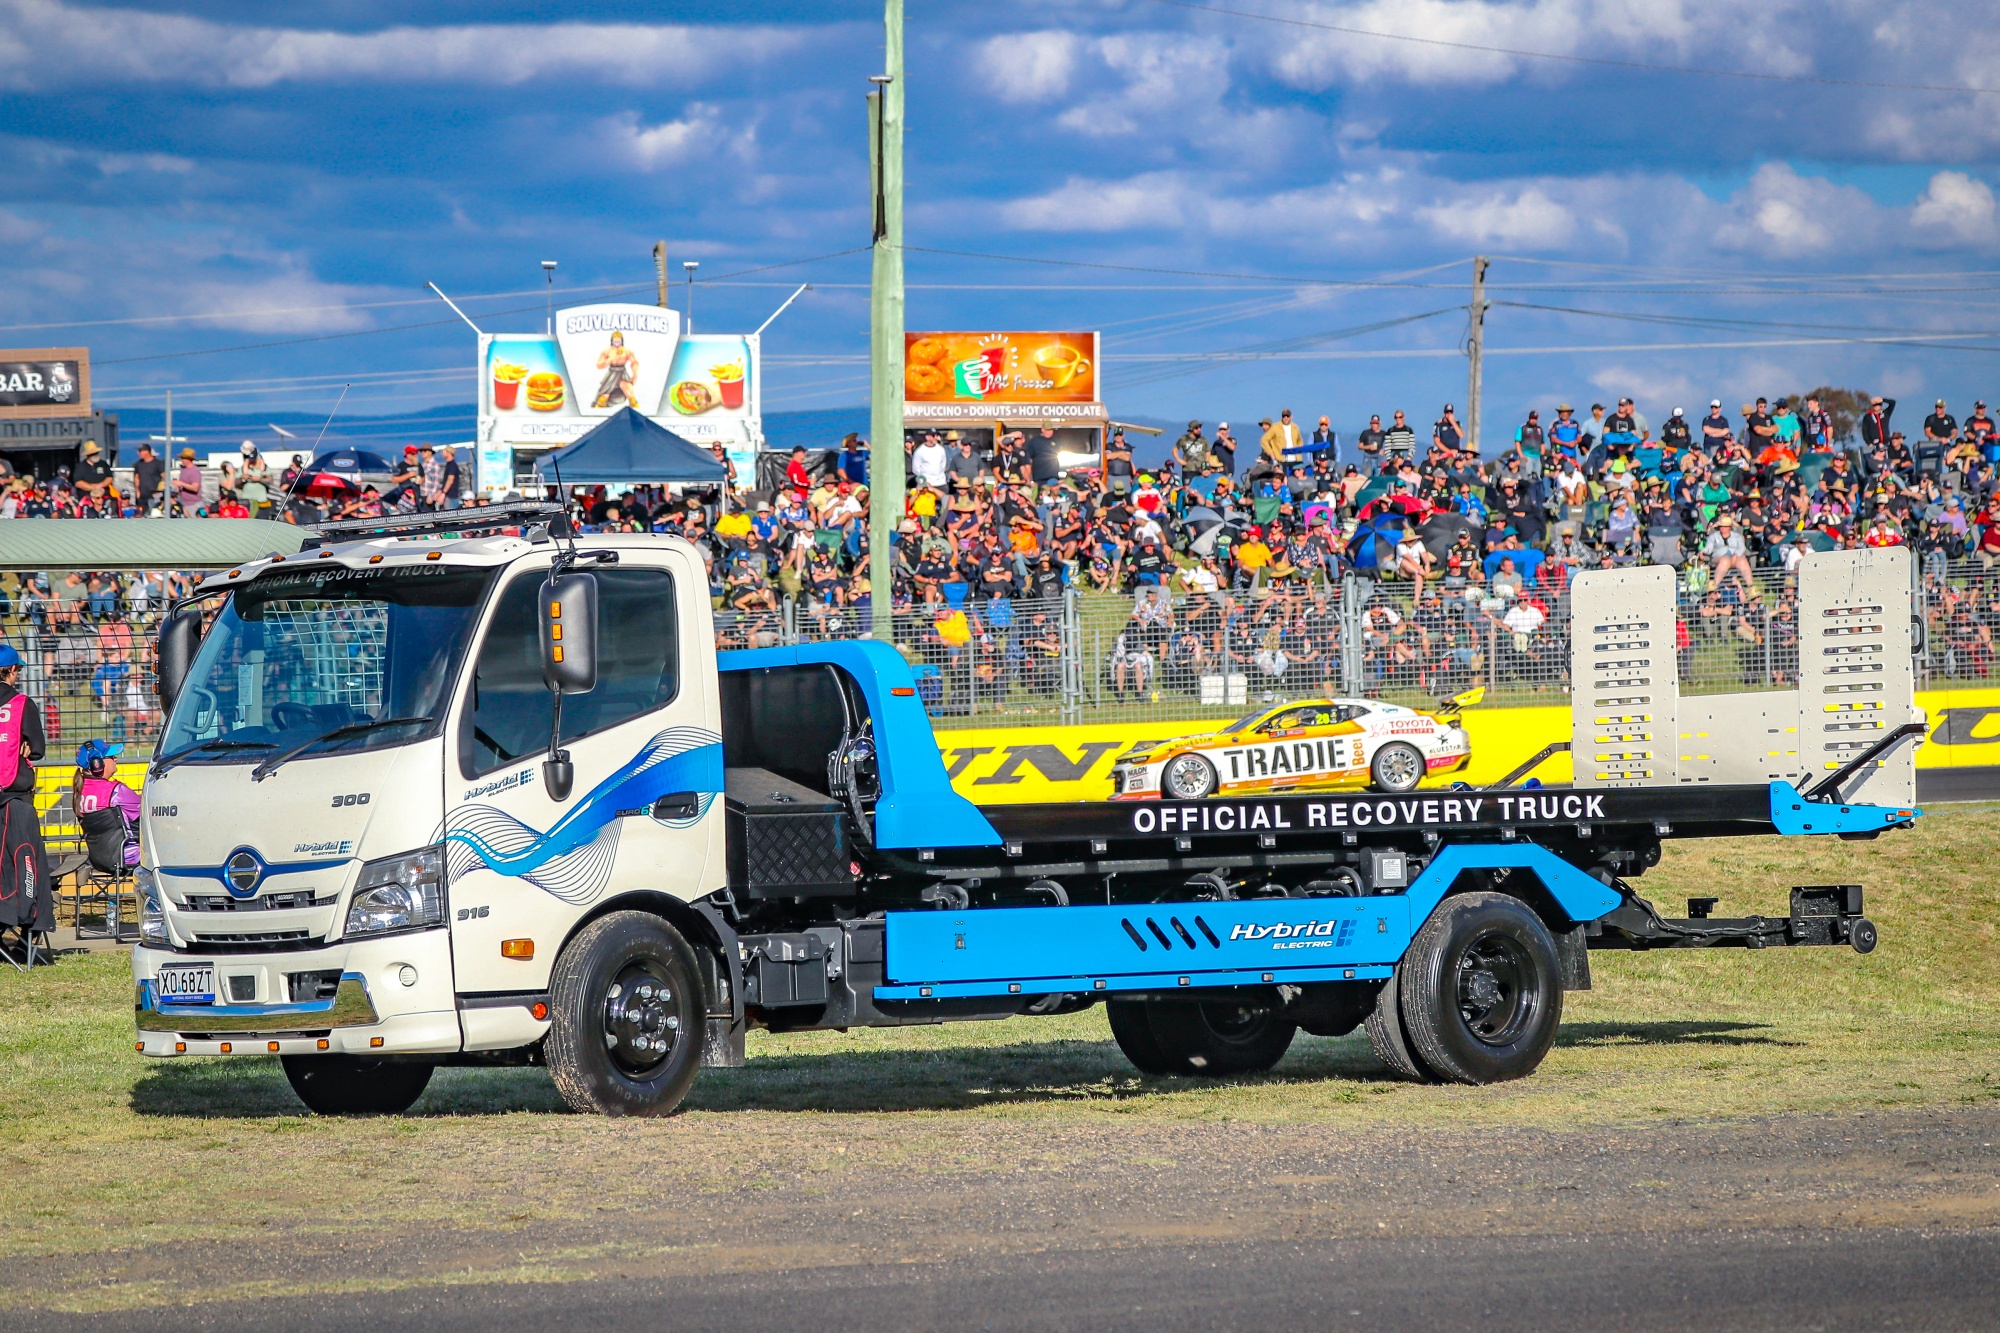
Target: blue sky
297,185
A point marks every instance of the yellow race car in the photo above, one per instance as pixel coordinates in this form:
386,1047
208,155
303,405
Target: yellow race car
1310,745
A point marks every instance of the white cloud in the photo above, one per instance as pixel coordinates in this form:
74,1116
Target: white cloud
1023,66
1783,215
1143,202
1528,220
699,134
43,43
1957,205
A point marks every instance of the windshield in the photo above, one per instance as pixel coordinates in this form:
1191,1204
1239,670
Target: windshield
298,654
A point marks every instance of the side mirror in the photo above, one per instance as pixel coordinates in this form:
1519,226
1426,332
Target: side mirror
180,639
569,633
569,663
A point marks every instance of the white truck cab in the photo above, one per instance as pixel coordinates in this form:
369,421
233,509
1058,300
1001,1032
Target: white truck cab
363,725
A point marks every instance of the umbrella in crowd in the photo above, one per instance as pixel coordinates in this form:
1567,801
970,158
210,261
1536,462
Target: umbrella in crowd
324,485
1373,545
1441,529
357,465
1201,524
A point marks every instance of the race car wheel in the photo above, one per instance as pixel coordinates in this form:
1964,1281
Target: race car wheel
1481,989
625,1034
353,1085
1187,777
1398,768
1203,1038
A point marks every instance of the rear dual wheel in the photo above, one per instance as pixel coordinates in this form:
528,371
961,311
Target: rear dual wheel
1199,1038
1477,997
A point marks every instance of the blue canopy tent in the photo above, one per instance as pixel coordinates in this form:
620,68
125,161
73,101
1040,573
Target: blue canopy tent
629,450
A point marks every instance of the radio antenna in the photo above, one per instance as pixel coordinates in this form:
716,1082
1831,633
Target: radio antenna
316,439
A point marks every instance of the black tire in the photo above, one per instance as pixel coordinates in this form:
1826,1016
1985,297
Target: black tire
1187,777
1481,989
1333,1008
355,1085
1132,1029
1397,768
1390,1043
626,1017
1207,1038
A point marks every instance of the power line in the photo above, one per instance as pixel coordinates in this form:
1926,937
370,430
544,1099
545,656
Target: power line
1189,273
1602,61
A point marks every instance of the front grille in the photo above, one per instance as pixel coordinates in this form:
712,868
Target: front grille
256,942
270,902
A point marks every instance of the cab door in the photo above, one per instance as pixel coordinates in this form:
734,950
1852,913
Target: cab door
643,812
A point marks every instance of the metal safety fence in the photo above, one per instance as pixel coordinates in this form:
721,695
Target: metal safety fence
1153,655
1159,656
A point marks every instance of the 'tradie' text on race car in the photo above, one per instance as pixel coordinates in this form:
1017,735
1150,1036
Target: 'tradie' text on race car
1308,745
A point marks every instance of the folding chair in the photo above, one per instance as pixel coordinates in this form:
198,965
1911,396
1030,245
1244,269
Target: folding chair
102,880
24,921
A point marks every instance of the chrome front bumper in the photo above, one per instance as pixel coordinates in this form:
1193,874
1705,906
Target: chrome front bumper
350,1007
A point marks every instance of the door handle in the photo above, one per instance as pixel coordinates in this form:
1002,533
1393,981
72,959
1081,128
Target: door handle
677,805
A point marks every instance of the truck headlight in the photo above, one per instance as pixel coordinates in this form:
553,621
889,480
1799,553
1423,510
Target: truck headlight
152,915
404,892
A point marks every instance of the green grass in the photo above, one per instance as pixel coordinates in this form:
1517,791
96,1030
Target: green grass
106,1149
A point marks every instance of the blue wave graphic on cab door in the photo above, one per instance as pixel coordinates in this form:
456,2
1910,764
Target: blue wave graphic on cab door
573,860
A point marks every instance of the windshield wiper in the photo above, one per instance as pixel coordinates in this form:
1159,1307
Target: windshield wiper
219,743
276,761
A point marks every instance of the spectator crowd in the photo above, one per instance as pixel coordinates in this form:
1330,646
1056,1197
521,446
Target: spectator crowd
1232,552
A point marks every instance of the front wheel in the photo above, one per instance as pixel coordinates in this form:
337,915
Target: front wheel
1201,1038
354,1085
1187,777
1481,989
626,1016
1398,767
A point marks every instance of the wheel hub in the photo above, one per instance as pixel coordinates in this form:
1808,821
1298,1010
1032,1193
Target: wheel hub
1493,998
641,1025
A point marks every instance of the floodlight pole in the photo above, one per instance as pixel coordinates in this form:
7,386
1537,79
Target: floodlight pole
885,324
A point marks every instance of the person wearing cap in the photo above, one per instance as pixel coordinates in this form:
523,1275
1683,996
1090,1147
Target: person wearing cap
1940,429
96,787
147,475
1446,433
1118,462
253,483
187,485
1191,451
1223,447
929,463
1632,421
1675,434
